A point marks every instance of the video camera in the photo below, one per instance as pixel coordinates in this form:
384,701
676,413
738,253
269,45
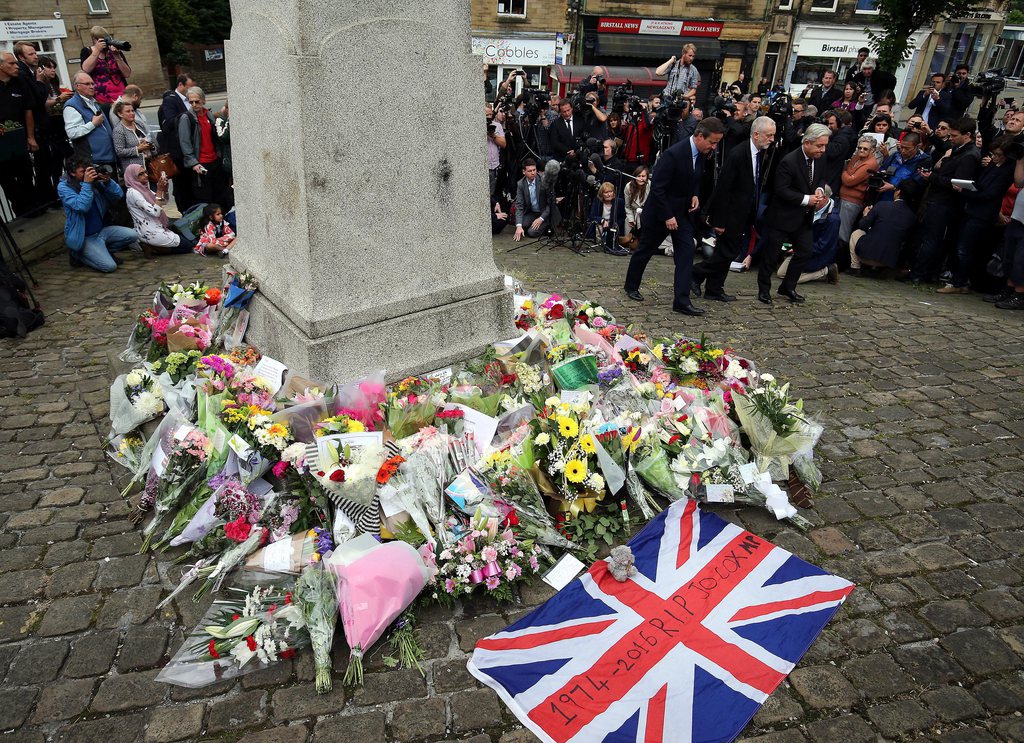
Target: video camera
624,94
988,83
780,108
121,46
725,107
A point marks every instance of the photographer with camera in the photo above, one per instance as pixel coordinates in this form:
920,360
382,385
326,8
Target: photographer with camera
683,76
906,164
106,63
961,91
595,119
495,144
597,84
87,126
87,194
934,102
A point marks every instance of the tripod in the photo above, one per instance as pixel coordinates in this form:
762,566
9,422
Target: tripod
9,250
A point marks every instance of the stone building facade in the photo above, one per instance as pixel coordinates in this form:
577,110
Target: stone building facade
61,29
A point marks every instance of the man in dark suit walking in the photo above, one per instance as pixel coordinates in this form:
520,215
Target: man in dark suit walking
674,188
533,207
796,194
733,208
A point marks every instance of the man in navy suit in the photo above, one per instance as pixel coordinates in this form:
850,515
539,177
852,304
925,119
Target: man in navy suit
674,188
733,208
935,102
797,193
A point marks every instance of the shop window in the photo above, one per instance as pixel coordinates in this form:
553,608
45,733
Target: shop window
810,70
98,6
867,6
512,8
823,6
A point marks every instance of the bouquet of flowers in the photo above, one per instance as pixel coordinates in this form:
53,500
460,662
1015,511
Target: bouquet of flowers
315,596
233,302
487,555
375,583
593,315
692,363
128,451
571,366
337,424
186,465
135,398
410,405
262,625
777,428
191,335
562,456
349,469
178,366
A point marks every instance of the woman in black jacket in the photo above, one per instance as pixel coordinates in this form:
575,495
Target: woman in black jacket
981,207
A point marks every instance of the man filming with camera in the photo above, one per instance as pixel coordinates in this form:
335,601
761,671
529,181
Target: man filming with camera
105,62
87,195
934,102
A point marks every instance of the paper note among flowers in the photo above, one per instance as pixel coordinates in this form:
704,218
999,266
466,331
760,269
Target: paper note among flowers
272,371
482,426
563,572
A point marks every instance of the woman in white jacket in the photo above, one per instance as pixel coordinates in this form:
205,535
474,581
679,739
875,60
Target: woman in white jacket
636,193
148,216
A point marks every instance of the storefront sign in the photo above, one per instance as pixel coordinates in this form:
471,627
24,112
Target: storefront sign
832,49
528,52
658,27
32,30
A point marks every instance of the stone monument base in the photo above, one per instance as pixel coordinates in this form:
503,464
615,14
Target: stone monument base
405,345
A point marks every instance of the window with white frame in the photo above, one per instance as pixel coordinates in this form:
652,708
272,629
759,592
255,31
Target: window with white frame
512,8
823,6
98,6
867,6
785,4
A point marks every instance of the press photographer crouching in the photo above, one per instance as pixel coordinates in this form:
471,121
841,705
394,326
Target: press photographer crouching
87,194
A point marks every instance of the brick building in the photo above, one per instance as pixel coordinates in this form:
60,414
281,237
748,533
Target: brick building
61,29
530,35
728,35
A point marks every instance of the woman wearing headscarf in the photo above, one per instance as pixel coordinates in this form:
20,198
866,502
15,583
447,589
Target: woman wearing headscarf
148,216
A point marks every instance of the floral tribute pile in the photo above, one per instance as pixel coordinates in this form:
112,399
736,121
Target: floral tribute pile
297,500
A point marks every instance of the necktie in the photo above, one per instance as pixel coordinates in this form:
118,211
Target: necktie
569,126
810,171
533,196
757,169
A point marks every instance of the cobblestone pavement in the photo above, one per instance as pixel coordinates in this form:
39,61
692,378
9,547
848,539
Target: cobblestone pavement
922,508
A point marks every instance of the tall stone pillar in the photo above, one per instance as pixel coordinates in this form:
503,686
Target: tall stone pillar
358,148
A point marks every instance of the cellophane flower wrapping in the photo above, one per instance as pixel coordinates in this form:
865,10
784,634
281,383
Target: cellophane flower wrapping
135,398
315,595
186,466
417,487
350,470
410,405
255,625
375,583
362,400
777,428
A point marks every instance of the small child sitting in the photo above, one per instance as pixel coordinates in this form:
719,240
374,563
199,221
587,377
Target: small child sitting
215,235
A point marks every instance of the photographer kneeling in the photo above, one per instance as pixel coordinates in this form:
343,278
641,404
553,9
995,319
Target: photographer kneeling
87,195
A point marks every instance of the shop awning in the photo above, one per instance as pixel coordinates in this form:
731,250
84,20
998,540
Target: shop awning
655,47
575,74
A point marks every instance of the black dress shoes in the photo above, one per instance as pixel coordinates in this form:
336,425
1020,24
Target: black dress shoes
720,296
764,297
687,309
635,295
695,289
791,295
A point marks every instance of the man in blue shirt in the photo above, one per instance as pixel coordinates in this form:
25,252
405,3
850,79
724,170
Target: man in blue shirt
86,196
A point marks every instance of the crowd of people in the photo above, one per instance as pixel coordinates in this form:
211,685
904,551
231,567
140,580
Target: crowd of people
806,187
92,152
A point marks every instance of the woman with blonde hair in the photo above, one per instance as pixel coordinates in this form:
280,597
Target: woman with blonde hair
607,219
635,193
107,66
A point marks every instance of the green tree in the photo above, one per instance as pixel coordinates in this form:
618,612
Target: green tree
213,18
899,20
175,23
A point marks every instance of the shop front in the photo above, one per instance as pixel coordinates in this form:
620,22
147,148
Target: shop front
47,35
532,53
819,48
649,42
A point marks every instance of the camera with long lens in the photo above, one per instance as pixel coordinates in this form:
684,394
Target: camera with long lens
780,109
879,178
119,44
623,94
534,101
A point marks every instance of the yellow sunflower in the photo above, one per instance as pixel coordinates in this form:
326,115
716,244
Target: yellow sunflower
576,470
568,427
588,444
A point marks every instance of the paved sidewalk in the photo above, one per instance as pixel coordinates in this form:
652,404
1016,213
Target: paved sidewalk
922,400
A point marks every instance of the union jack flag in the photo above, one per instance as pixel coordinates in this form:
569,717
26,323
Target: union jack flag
687,650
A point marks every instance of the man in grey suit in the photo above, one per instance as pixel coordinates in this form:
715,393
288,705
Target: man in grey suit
533,205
